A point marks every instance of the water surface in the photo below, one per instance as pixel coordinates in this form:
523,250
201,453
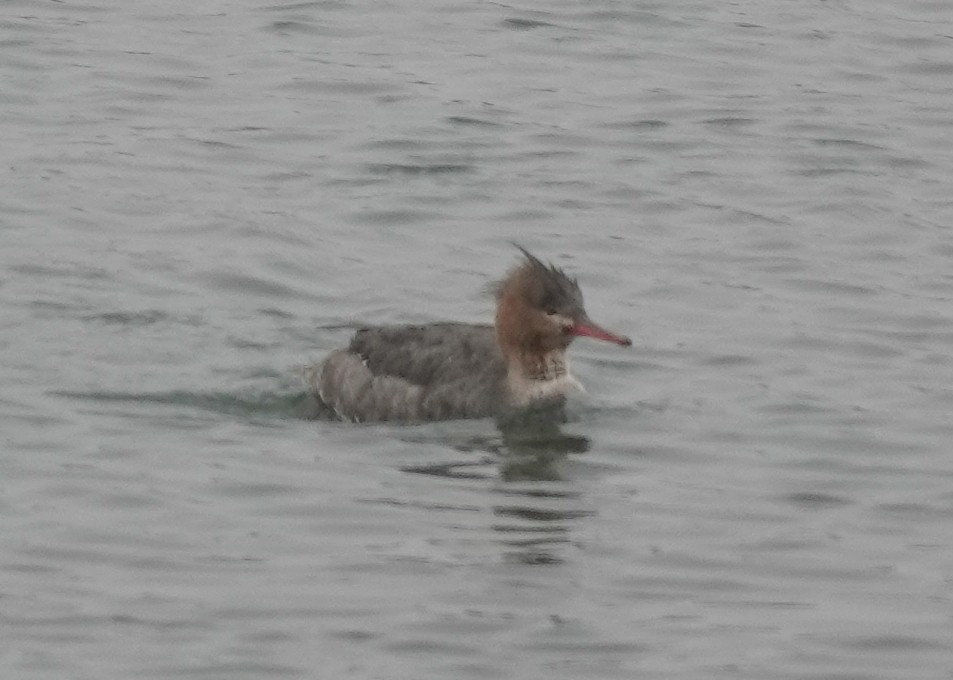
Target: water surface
200,198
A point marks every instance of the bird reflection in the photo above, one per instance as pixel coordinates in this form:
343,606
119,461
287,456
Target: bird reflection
529,448
534,520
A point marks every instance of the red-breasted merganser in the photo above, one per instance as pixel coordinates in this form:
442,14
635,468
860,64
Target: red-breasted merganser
446,371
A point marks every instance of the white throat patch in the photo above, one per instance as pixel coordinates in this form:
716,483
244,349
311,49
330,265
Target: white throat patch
526,389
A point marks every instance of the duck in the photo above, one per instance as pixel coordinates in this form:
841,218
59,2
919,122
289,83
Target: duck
449,370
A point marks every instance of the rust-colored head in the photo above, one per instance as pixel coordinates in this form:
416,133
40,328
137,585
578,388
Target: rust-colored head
540,309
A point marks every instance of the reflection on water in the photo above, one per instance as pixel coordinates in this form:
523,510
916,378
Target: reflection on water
533,531
535,521
535,444
452,470
525,451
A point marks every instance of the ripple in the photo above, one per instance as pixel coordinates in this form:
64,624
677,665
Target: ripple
264,403
813,500
413,169
520,24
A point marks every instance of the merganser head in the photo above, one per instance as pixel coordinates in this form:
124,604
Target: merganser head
540,309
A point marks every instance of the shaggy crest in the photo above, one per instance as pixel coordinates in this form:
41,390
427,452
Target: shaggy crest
546,287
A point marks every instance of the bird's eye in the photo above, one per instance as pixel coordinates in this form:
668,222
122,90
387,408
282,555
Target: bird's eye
551,311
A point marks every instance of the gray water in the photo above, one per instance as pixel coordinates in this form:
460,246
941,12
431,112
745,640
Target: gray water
199,198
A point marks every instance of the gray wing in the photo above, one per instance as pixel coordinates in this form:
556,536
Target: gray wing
413,373
428,355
